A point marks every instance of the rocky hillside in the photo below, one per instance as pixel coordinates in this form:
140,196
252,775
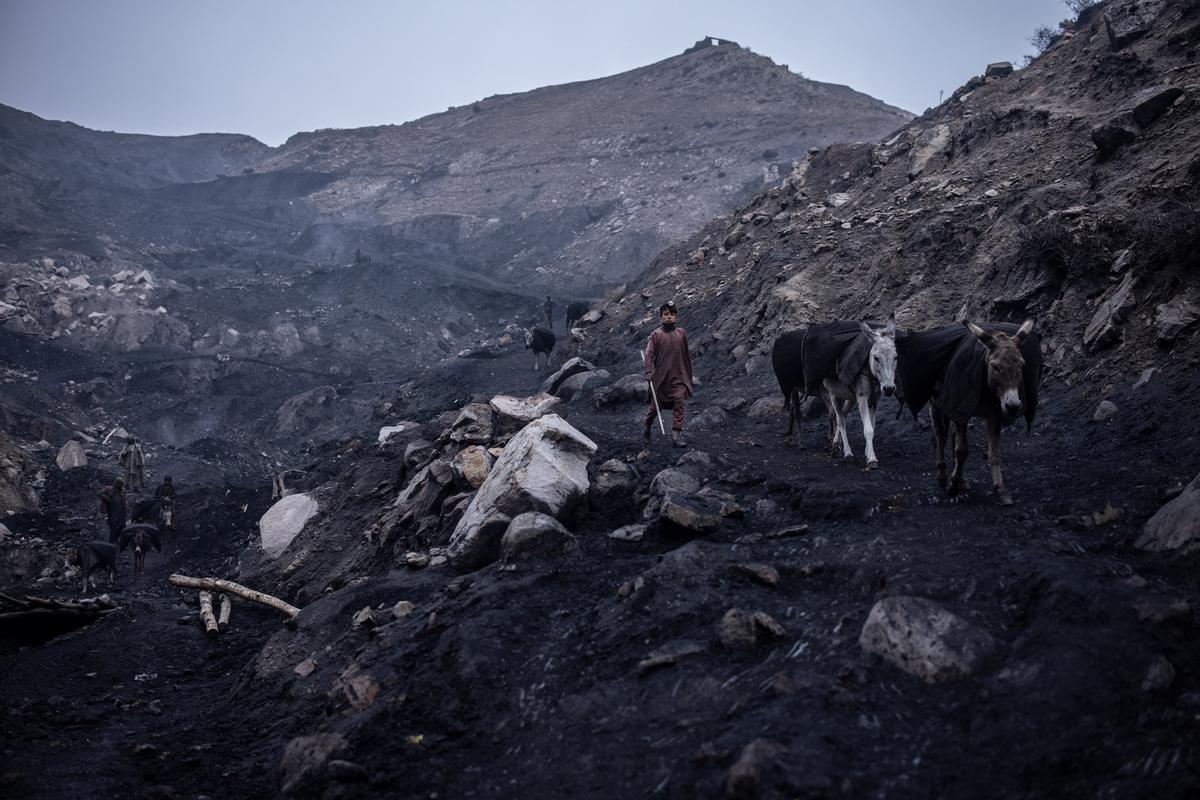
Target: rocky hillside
1066,191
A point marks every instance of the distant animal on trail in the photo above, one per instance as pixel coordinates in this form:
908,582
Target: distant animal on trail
141,537
93,556
844,363
574,312
540,341
963,371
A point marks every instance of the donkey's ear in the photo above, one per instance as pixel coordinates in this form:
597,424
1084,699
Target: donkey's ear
889,330
978,332
1025,329
867,329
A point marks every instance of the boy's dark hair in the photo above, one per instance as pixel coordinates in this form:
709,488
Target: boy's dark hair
668,306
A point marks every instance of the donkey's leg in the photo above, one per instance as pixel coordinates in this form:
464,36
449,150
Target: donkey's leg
1002,495
843,410
960,456
830,420
938,426
789,405
867,412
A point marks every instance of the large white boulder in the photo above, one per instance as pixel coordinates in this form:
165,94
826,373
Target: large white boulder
543,468
71,456
283,521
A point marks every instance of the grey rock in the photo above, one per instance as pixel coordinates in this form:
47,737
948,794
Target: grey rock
306,755
573,366
511,414
612,491
71,456
543,468
1122,262
582,385
474,425
1105,410
1125,23
534,534
689,515
363,618
925,640
471,466
1159,675
630,389
1000,69
711,418
669,655
1176,526
746,777
417,452
284,521
1113,134
766,407
1173,318
629,533
1150,104
1105,326
745,630
669,481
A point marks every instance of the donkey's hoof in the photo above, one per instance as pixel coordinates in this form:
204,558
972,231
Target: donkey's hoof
955,488
1004,499
871,465
941,479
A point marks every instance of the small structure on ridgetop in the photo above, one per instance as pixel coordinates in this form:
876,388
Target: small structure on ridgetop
710,41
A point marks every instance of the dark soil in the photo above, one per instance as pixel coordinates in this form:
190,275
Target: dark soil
525,682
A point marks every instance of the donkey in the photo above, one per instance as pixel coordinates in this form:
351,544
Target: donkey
844,363
141,536
990,371
539,340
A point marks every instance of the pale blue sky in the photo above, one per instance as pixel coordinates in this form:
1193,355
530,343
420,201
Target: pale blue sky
271,68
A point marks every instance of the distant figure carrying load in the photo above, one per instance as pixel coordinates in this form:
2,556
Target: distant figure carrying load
539,340
668,366
548,308
133,461
113,502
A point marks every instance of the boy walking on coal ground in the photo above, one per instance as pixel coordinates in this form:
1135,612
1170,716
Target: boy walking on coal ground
133,461
668,367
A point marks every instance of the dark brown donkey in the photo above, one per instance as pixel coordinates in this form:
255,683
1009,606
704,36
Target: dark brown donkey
964,371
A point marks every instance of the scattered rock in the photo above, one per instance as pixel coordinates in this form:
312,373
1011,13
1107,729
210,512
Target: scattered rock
471,465
543,468
669,481
534,534
1175,526
1105,410
761,573
402,609
363,618
1173,318
1159,675
1113,134
573,366
612,492
630,389
305,668
283,521
417,452
925,640
514,413
766,407
581,386
669,655
1105,326
416,560
749,773
71,456
689,515
1000,69
1150,104
711,418
355,688
743,630
474,425
629,533
305,755
1125,23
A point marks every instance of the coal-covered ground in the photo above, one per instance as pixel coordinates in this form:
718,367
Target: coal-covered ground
525,682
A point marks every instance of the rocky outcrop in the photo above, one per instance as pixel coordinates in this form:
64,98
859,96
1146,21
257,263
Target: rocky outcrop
1172,318
514,413
71,456
543,468
534,534
1105,327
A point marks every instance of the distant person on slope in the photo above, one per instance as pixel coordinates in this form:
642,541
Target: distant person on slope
113,502
166,496
668,366
548,308
133,461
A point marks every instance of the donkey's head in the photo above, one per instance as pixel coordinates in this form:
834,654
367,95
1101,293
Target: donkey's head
883,354
528,338
1005,365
